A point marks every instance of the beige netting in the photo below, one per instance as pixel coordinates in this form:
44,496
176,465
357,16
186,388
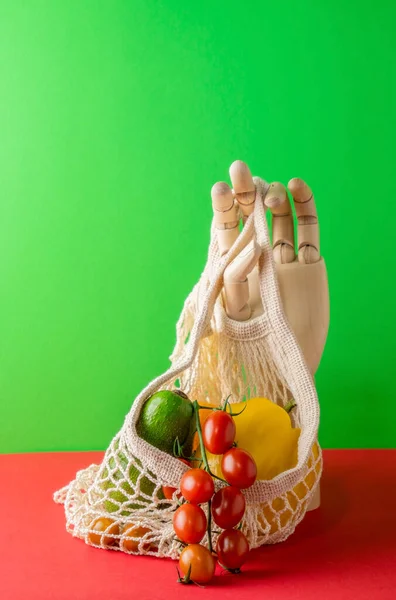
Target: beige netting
213,357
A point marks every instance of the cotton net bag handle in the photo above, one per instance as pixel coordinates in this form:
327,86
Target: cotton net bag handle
283,345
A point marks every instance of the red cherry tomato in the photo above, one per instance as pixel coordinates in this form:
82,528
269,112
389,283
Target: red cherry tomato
239,468
219,432
232,549
168,491
189,523
197,486
201,562
228,507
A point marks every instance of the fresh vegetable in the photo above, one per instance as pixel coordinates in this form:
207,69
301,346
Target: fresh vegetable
196,564
265,430
228,507
117,500
136,532
168,491
232,549
166,416
102,531
197,486
189,523
119,480
239,468
218,432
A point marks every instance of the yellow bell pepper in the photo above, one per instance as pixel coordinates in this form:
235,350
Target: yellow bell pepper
264,429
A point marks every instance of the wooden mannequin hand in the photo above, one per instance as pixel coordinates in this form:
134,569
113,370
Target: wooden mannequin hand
302,276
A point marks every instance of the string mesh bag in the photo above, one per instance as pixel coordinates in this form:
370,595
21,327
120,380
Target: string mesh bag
214,357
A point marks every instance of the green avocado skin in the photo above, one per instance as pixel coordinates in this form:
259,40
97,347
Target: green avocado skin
166,416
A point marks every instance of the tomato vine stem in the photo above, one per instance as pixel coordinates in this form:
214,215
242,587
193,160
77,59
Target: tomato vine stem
207,468
210,526
201,443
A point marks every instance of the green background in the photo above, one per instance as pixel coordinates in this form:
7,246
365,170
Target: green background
116,117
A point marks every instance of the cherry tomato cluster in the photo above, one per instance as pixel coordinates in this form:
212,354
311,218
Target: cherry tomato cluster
226,507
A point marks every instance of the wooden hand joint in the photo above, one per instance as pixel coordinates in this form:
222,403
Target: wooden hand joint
225,212
244,188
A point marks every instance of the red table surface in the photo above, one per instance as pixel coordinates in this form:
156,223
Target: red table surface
345,549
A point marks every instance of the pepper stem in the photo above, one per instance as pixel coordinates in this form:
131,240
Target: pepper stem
289,406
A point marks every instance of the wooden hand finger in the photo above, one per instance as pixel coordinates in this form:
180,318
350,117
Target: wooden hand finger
225,211
307,220
278,202
244,188
236,285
